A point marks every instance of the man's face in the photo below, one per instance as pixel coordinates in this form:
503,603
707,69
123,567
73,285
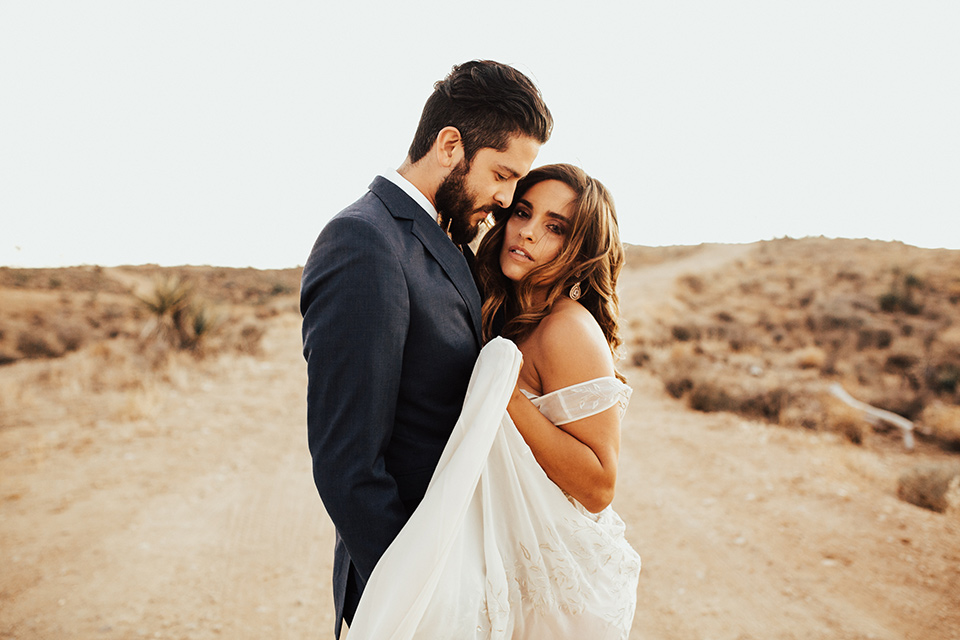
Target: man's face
471,191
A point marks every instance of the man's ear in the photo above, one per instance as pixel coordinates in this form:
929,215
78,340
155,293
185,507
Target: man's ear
449,147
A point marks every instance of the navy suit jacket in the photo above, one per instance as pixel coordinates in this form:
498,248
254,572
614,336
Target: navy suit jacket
391,331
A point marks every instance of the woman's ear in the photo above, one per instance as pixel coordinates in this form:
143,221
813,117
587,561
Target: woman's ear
449,147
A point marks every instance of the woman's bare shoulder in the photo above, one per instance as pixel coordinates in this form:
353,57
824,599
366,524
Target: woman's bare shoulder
572,346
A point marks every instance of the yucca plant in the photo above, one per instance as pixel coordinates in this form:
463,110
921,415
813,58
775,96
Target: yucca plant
202,321
178,319
168,304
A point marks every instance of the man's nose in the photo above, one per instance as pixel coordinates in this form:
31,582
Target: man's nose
504,195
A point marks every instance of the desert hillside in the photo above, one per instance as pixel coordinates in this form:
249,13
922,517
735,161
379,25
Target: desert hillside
769,333
156,482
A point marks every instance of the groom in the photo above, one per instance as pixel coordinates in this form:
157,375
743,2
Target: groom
391,314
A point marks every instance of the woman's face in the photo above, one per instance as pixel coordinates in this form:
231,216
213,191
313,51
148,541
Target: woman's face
537,228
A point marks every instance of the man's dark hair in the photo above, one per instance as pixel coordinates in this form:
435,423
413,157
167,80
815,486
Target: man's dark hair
488,102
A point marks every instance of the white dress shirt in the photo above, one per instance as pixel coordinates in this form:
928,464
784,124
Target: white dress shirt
413,192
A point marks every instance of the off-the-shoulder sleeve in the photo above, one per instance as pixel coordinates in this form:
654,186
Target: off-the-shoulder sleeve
582,400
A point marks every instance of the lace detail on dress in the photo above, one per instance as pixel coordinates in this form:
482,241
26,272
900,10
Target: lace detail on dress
582,400
558,574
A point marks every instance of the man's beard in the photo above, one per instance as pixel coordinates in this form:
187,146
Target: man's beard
455,204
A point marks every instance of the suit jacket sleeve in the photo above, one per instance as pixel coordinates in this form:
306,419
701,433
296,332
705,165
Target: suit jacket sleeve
356,313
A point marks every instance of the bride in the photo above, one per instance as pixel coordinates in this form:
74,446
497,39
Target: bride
515,537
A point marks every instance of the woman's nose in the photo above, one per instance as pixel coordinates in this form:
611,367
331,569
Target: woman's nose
526,231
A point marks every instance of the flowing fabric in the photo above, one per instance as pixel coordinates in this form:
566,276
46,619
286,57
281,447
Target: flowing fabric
496,550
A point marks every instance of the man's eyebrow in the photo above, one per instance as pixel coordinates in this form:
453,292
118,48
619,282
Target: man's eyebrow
510,172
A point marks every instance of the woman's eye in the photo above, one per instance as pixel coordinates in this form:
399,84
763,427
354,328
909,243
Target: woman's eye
520,213
555,228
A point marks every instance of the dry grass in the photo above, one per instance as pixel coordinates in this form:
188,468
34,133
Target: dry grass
710,383
47,313
765,337
942,421
809,358
845,420
934,486
77,342
120,381
138,404
31,343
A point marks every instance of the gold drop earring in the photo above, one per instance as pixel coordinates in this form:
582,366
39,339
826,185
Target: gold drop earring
575,291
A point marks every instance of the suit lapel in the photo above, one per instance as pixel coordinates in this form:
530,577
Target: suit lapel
436,242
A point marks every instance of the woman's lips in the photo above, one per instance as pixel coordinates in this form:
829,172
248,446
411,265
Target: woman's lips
519,254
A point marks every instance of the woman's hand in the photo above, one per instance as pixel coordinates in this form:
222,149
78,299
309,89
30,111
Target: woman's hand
573,464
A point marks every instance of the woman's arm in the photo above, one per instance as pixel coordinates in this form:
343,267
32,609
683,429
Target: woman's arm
580,457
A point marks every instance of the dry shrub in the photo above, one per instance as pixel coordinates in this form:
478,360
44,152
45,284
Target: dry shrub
751,398
767,403
265,312
683,333
676,387
640,358
874,338
901,296
899,362
249,339
677,370
953,292
709,386
942,422
845,420
943,377
71,337
33,344
709,396
742,339
692,282
804,411
809,357
934,486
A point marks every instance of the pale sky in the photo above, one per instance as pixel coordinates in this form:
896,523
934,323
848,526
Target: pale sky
227,133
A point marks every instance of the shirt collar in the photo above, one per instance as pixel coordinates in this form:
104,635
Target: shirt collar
408,188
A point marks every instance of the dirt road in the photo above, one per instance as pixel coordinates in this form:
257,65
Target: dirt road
189,512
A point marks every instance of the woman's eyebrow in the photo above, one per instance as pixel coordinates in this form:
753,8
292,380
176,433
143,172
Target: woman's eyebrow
549,214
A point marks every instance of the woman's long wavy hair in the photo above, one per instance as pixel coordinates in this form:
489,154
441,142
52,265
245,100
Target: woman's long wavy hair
591,255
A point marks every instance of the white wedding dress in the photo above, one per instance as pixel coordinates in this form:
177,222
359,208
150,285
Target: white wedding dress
496,549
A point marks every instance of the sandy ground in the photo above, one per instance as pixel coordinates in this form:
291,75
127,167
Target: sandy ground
192,514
